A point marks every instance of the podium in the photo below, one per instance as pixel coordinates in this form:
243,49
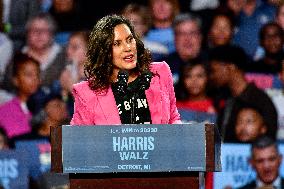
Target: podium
136,156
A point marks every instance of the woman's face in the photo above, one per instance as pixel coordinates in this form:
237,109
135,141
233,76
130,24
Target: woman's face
249,125
195,80
221,31
124,50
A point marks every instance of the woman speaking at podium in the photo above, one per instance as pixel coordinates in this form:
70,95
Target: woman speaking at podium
123,86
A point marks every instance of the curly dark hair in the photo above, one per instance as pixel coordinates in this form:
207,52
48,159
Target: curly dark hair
99,66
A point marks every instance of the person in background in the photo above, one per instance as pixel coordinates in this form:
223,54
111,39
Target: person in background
15,115
70,17
54,113
250,124
271,38
163,13
266,161
221,30
123,86
227,69
277,96
41,46
74,71
192,88
6,53
6,45
188,42
16,15
192,94
254,14
279,19
141,19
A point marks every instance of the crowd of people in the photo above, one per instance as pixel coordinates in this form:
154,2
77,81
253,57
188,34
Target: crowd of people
226,58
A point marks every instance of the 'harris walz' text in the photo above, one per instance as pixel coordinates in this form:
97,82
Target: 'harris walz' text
133,148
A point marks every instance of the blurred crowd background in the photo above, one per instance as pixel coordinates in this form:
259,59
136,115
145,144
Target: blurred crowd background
226,57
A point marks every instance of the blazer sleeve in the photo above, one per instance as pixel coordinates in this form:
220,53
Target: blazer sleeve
82,112
174,114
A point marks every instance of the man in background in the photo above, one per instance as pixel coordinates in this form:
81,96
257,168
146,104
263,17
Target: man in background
265,160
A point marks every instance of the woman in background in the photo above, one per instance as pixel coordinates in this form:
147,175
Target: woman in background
191,93
191,90
15,115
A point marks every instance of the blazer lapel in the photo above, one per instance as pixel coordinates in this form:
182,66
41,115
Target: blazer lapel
153,96
109,108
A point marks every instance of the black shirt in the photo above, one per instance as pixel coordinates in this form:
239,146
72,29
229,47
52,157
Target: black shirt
132,105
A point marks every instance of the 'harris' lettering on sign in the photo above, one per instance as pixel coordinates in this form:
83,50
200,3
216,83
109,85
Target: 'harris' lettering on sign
133,143
133,148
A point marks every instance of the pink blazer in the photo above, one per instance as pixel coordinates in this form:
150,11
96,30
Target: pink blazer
100,109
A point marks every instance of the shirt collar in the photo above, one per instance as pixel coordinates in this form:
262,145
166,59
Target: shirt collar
276,183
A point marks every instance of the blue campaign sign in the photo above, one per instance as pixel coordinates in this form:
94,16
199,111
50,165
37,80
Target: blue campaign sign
133,148
235,168
39,152
236,171
189,116
14,169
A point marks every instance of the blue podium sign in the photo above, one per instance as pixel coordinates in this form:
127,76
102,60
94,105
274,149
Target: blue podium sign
133,148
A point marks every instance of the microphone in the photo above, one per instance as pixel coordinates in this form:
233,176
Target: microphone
145,79
122,79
